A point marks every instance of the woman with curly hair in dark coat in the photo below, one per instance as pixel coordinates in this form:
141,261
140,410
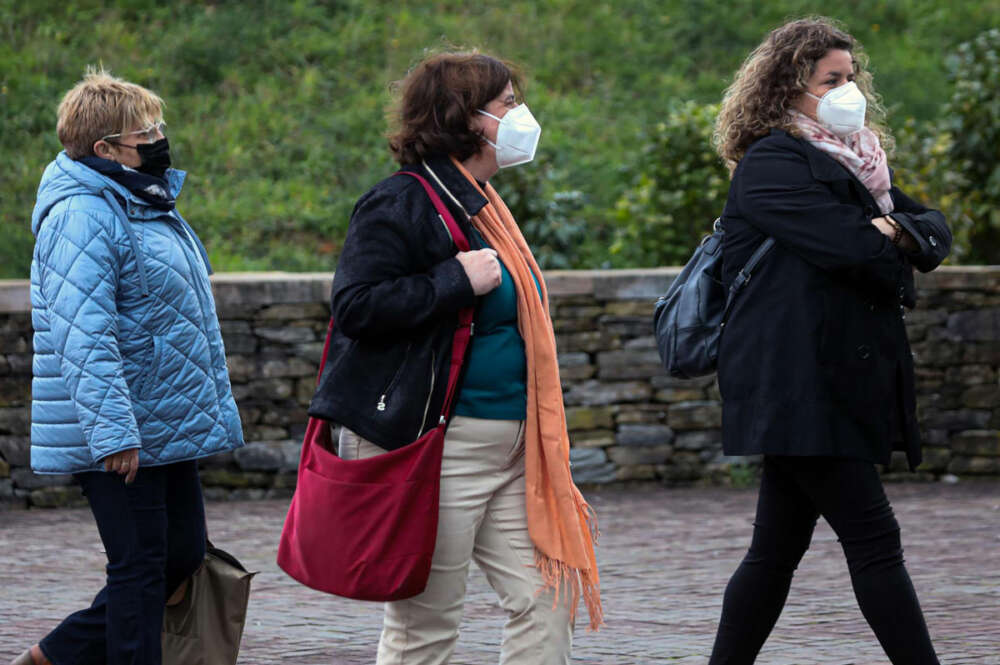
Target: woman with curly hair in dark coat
815,368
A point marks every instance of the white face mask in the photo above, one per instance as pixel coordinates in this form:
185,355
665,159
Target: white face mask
842,110
517,136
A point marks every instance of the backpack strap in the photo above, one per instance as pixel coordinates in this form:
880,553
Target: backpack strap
744,275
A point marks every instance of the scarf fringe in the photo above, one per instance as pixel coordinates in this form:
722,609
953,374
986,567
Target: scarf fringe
574,583
590,518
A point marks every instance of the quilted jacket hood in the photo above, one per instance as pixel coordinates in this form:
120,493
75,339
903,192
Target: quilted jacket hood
65,177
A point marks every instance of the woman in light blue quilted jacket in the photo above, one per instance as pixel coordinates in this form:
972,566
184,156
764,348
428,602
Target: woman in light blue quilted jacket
130,383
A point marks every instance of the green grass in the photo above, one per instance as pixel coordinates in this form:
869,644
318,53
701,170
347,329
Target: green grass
276,109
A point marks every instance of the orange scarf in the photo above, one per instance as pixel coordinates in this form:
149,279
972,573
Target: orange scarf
563,528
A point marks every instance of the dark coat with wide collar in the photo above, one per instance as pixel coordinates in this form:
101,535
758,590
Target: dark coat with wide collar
395,301
815,359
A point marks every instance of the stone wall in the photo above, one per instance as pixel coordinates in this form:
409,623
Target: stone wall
628,420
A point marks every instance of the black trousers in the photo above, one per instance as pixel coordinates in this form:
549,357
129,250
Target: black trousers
154,533
848,493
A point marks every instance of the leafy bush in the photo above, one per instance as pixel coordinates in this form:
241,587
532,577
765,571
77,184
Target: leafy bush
679,187
923,170
972,119
550,218
276,108
953,162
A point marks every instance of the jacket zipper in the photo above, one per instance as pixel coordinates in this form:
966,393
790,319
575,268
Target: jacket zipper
381,400
430,394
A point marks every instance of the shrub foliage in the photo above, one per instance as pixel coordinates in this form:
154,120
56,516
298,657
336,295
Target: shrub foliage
679,187
276,110
953,161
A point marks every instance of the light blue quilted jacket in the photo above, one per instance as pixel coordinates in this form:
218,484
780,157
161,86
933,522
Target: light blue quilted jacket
128,352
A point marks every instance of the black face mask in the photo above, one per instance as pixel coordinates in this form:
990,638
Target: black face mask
155,157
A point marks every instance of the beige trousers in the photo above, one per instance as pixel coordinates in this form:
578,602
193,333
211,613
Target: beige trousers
483,519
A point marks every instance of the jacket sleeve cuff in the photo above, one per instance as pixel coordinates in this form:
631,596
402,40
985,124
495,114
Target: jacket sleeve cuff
453,285
904,220
102,455
930,249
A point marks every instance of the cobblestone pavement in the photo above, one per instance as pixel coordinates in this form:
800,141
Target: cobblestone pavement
665,554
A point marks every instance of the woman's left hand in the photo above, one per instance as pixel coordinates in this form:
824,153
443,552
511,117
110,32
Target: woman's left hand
125,463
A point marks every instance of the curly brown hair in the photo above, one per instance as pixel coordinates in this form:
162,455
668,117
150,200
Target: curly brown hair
776,73
436,102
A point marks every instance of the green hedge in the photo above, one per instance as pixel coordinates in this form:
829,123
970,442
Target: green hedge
277,108
953,161
679,187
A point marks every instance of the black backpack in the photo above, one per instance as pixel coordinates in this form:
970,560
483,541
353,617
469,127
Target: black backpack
690,317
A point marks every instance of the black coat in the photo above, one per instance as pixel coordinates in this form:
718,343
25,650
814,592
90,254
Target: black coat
395,301
814,359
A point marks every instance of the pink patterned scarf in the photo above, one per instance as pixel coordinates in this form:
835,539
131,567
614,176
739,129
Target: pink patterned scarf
861,153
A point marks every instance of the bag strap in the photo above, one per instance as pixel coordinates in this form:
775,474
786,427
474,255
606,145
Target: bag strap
463,332
326,351
443,213
744,275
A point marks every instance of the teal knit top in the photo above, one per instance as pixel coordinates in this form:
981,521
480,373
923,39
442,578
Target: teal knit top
495,385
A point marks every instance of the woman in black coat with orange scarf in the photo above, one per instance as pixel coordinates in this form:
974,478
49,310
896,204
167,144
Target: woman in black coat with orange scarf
815,368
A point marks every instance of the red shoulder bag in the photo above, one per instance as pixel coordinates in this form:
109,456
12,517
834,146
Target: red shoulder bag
366,528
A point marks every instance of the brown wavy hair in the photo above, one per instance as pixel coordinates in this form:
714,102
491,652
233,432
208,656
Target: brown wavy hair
436,102
776,73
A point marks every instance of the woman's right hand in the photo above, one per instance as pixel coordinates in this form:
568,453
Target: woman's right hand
482,267
888,227
124,463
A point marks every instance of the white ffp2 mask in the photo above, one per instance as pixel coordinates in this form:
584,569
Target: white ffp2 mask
842,110
517,136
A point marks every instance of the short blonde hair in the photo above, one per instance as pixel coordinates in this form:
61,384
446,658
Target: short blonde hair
102,104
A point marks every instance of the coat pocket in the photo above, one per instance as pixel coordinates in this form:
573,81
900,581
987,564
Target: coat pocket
387,391
148,379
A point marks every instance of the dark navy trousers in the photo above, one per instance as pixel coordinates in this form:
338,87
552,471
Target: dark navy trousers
848,493
154,533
